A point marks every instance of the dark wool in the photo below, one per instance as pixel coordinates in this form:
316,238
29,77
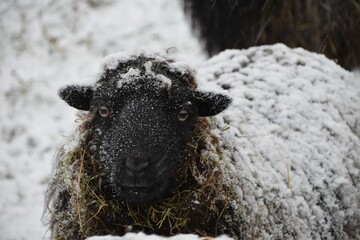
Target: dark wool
324,26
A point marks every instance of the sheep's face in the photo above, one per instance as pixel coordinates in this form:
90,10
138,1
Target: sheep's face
142,125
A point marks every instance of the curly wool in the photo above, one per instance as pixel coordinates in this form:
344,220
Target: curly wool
292,148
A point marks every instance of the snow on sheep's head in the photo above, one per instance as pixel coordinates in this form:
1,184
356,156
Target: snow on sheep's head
142,110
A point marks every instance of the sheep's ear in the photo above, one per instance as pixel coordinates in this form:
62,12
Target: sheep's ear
77,96
210,104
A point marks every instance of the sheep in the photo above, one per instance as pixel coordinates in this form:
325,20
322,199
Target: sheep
281,160
325,26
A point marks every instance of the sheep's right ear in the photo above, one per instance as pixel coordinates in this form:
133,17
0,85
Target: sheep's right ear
77,96
210,103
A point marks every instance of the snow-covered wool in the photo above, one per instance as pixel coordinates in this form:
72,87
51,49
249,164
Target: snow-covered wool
282,162
292,150
324,26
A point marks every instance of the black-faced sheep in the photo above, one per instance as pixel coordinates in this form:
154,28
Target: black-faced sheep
282,162
137,163
325,26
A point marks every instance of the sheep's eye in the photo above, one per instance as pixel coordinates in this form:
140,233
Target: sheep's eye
183,115
104,111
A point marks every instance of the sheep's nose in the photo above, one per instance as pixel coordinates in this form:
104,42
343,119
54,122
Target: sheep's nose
136,165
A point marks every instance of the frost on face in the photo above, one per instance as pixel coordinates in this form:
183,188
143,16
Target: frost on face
136,147
141,142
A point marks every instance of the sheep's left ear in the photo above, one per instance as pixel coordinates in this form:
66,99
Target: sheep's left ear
210,103
77,96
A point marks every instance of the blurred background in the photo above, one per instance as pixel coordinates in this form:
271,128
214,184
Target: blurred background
45,44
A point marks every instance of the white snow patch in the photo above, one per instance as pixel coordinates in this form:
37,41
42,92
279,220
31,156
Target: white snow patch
141,236
112,61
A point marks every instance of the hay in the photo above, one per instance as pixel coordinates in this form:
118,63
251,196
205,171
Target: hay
200,204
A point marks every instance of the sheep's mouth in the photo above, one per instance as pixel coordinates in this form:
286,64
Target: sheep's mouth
152,193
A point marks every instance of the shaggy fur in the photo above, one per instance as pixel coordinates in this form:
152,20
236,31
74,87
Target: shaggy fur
326,26
202,203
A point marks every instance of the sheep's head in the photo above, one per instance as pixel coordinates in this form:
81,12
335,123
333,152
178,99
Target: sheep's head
142,112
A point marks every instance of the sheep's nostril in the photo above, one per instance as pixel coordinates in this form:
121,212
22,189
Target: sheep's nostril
136,165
